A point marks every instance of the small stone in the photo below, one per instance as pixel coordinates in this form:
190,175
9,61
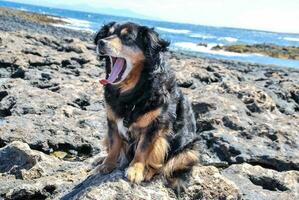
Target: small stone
59,154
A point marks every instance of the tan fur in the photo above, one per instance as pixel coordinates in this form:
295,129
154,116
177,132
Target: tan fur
105,143
156,157
132,79
115,43
150,173
180,162
114,149
124,31
144,120
112,29
151,159
135,172
158,153
140,154
110,114
136,57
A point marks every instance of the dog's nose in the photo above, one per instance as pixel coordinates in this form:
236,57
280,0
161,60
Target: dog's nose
101,43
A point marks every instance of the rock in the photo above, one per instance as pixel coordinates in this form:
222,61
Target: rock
28,174
3,94
256,100
33,51
36,175
207,183
285,52
256,182
240,136
6,105
13,159
202,44
19,73
59,154
185,84
18,159
71,64
39,122
77,48
81,60
204,183
32,23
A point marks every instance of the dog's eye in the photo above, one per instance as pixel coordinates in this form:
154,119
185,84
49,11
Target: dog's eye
127,38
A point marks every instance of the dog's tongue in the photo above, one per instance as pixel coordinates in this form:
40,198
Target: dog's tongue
116,69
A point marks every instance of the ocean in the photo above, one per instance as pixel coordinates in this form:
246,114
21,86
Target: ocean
183,37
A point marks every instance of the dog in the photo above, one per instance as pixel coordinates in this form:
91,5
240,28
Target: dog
151,124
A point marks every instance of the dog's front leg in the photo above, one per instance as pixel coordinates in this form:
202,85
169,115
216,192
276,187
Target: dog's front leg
135,172
114,145
150,153
150,132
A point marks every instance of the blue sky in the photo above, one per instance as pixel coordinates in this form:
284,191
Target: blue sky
271,15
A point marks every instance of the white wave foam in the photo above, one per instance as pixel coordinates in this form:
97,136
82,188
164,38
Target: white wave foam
75,24
23,9
170,30
291,39
194,47
228,39
73,27
203,36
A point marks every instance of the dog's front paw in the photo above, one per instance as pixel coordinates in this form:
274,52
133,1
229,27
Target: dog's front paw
105,168
135,173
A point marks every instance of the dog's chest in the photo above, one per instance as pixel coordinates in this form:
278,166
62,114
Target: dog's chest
123,131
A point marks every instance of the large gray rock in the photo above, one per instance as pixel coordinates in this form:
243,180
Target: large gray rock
245,113
259,183
30,174
56,104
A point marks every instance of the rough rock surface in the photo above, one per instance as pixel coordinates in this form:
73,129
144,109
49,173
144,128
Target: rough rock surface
256,182
30,174
52,120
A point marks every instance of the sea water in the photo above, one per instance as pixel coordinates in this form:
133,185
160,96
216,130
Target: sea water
183,37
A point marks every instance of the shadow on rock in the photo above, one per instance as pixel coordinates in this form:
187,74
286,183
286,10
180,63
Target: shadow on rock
94,180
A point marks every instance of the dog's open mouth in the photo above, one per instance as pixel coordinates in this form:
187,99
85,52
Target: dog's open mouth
118,67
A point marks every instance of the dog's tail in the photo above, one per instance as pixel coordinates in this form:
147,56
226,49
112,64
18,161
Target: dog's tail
177,169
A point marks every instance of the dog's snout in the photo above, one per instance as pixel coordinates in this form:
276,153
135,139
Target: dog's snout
101,46
101,43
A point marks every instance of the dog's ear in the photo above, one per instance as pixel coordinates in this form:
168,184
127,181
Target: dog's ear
103,32
154,44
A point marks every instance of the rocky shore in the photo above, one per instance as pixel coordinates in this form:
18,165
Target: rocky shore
52,121
272,50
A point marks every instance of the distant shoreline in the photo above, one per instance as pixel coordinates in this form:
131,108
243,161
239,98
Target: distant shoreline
20,20
275,51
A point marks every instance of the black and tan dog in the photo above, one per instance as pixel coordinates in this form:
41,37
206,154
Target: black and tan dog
150,122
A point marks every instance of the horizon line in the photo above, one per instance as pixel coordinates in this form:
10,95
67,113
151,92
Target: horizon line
149,18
